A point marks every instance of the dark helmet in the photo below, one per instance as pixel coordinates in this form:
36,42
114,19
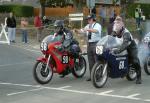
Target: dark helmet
59,26
92,16
59,23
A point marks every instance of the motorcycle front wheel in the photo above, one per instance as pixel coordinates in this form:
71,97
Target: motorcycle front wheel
39,73
80,67
99,75
147,66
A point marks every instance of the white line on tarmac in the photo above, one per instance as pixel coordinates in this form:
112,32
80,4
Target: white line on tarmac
16,93
105,94
147,100
27,62
23,85
64,87
92,93
133,95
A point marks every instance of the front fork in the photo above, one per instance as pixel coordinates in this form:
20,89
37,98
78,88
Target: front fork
47,63
105,67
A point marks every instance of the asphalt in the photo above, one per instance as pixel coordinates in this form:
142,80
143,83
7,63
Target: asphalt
18,86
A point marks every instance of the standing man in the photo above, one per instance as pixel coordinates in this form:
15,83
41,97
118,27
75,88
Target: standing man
11,24
38,25
93,31
138,13
94,10
103,15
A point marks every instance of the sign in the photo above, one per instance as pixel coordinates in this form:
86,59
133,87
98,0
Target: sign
90,3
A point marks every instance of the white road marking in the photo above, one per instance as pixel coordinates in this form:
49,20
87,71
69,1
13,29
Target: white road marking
14,64
133,95
147,100
23,85
120,96
16,93
105,93
64,87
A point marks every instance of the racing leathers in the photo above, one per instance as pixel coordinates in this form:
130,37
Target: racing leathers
131,47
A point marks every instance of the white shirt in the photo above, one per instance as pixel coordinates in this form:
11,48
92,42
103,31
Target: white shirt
95,37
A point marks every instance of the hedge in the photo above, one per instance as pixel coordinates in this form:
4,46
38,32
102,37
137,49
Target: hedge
18,10
145,7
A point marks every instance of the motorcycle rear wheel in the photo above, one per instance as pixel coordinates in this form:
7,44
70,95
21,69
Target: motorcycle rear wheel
147,66
80,67
97,77
39,73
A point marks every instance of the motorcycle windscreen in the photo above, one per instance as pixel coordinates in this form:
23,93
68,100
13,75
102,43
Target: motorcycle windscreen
50,39
118,65
110,42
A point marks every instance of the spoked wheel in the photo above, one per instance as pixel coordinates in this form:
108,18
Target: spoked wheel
147,66
80,67
99,75
131,74
39,73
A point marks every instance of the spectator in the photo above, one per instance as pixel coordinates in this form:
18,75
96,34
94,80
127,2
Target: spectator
24,24
138,13
94,10
38,25
11,24
103,15
93,31
45,21
112,15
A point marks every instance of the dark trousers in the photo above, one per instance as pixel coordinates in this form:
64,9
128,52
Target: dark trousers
91,51
134,60
24,36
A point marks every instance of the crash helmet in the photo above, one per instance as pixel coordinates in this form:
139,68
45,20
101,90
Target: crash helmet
59,26
118,26
91,16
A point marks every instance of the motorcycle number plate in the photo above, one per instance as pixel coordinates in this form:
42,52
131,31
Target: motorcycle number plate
65,59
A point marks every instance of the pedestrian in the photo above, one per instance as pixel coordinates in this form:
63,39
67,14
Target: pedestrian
24,24
111,21
102,15
93,34
11,24
45,21
112,15
138,13
39,28
94,10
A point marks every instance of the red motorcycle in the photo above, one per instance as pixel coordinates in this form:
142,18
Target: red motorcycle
58,60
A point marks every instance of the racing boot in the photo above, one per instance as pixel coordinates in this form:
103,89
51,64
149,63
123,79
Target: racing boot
138,80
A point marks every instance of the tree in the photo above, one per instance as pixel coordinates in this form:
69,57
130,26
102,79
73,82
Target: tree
42,3
124,4
79,4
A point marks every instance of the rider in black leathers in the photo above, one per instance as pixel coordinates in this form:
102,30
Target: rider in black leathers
128,44
68,42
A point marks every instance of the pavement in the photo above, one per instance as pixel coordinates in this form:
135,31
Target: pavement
18,86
